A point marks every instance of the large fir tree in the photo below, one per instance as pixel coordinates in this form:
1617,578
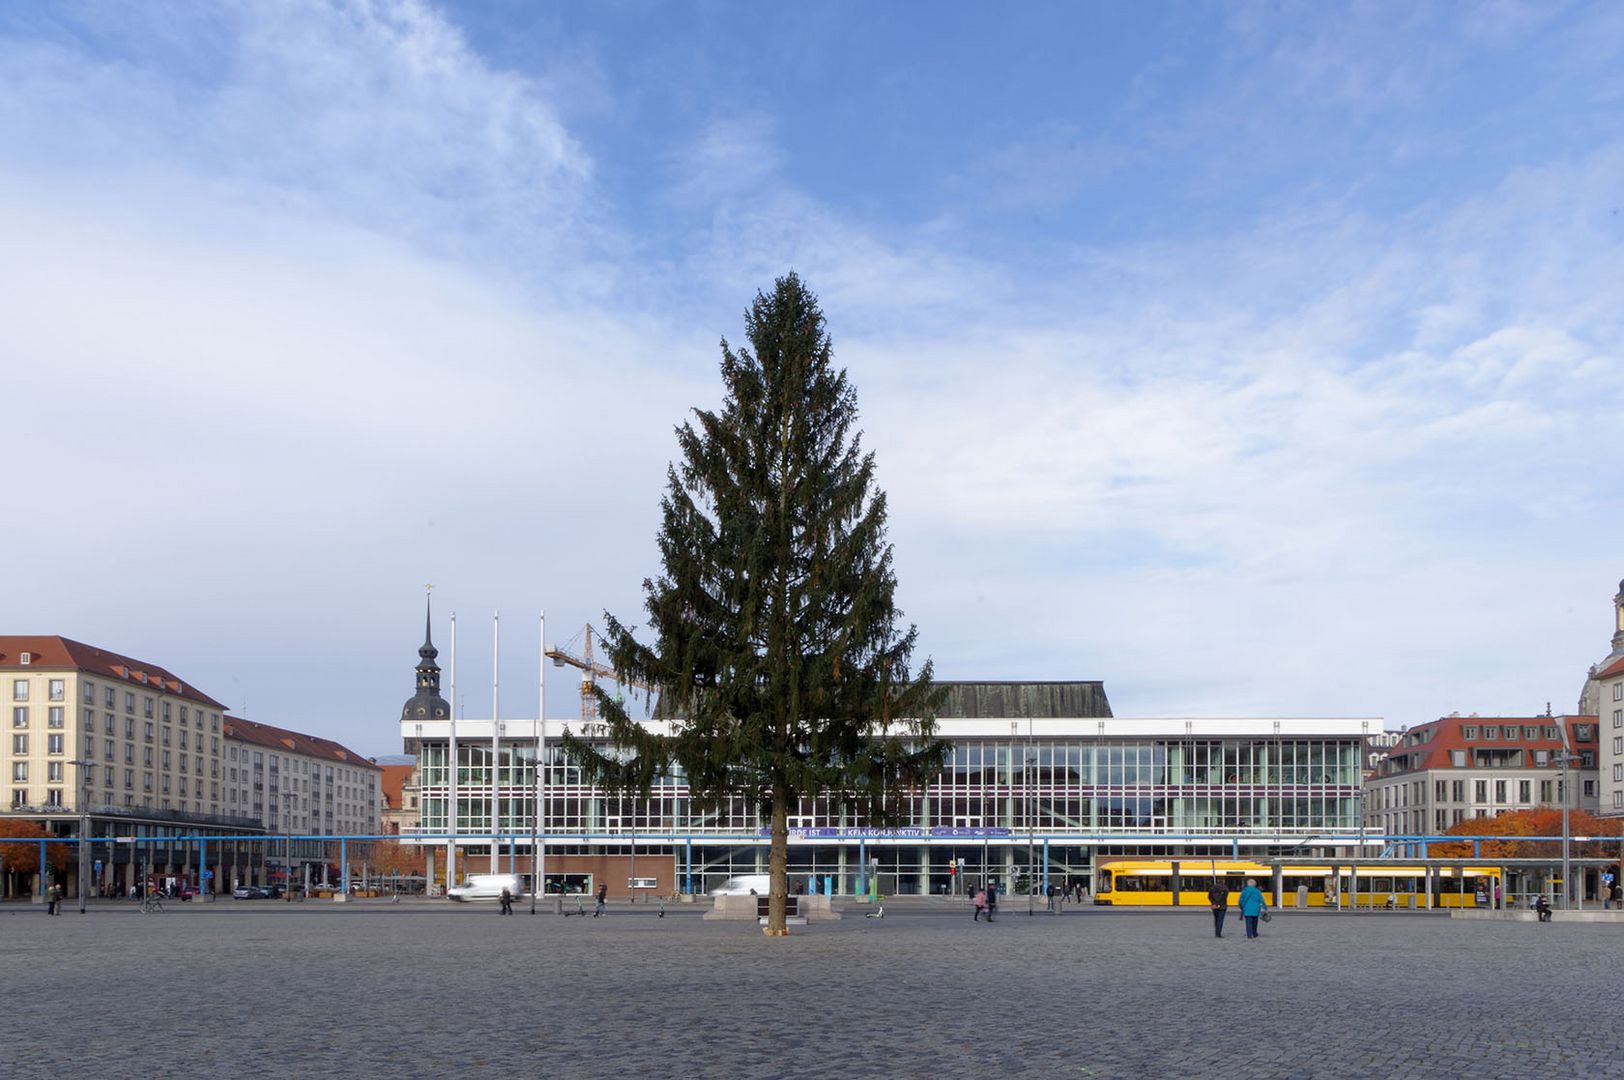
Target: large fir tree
775,638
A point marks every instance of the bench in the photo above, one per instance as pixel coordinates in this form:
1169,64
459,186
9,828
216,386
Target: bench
792,906
792,909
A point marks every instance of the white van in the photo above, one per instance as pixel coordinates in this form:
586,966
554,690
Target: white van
744,885
487,887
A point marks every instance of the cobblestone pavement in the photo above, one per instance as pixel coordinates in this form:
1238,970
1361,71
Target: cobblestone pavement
429,988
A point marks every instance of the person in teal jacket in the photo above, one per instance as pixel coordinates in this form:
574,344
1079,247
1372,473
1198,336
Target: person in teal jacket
1252,906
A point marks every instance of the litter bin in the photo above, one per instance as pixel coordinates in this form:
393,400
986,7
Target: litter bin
1302,896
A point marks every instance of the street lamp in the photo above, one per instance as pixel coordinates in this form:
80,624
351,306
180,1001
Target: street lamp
84,828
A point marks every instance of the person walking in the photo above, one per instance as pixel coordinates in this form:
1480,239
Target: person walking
50,899
1542,907
992,899
1218,897
603,896
507,901
1252,907
980,904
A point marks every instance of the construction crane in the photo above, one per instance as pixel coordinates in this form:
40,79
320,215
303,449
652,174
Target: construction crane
591,671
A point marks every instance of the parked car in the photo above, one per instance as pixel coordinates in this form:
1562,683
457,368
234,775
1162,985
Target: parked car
245,892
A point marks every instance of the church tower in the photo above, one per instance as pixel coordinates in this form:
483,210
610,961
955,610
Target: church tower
427,704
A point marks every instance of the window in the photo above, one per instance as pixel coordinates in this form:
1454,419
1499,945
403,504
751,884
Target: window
183,712
53,744
1499,791
89,693
53,796
1542,757
1480,791
1618,773
1618,691
107,777
19,716
129,754
1457,759
166,759
108,746
1618,717
19,744
146,707
1589,789
55,690
129,779
1491,732
167,730
19,689
1525,791
1469,731
53,716
1457,791
147,732
53,772
146,781
19,796
1530,732
147,756
1618,744
107,724
1618,799
1545,788
182,738
19,770
1583,733
129,702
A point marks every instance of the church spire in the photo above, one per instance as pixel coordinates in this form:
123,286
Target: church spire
426,703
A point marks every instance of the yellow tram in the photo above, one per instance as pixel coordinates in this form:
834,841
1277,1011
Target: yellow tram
1149,883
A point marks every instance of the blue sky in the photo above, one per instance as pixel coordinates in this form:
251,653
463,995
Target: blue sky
1256,359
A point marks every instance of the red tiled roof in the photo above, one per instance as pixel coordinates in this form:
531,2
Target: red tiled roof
51,652
1424,754
275,738
1615,668
393,779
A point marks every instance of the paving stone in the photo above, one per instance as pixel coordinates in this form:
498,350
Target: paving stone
430,988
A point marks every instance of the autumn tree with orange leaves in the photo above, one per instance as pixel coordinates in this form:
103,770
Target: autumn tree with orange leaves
1540,821
19,848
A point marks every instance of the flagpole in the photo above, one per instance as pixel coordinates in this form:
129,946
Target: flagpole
496,748
451,817
538,853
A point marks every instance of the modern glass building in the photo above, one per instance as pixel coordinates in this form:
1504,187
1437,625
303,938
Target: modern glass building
1034,796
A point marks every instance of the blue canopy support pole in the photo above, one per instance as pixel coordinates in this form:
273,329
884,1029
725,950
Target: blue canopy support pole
688,866
202,865
344,865
42,869
862,864
1477,849
1045,866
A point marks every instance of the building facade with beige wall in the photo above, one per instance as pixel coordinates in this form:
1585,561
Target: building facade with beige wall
1604,694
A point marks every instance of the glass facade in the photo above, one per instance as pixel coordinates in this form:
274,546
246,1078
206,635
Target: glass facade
998,801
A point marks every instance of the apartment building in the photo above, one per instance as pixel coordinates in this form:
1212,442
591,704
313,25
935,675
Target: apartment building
96,727
1459,767
298,783
1604,694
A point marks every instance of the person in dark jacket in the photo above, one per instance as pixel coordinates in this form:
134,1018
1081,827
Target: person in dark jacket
603,896
1543,907
1218,897
992,899
507,901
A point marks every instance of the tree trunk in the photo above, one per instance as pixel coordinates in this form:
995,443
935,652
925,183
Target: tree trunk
778,866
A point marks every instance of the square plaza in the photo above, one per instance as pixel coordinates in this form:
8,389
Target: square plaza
429,988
